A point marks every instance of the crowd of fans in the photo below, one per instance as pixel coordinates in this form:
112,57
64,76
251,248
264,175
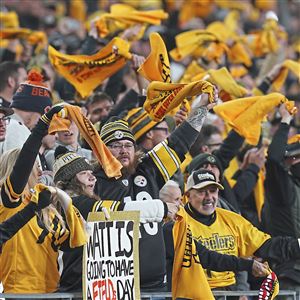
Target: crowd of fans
223,165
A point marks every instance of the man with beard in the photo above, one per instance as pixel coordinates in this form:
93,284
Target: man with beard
143,177
281,213
5,112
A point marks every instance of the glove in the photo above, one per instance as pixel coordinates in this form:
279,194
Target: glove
47,117
44,199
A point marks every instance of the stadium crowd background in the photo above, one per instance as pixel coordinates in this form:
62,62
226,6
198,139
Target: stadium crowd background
256,41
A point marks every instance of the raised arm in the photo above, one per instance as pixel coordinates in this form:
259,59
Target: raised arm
14,185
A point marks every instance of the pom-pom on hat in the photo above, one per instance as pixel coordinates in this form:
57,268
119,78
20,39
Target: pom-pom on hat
116,130
67,164
32,95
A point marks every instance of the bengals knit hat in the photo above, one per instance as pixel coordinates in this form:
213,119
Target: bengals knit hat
139,122
202,178
116,130
202,159
32,95
67,164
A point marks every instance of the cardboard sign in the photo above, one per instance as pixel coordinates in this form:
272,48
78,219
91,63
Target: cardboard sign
110,257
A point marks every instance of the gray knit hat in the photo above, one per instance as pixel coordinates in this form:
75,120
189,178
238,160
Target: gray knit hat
68,164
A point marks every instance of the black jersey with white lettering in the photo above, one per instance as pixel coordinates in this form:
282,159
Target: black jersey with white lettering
156,167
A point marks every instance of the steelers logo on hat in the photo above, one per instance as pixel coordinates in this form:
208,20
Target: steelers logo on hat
211,159
119,134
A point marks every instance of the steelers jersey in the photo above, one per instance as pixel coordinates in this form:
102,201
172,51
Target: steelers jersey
71,276
28,262
229,234
156,167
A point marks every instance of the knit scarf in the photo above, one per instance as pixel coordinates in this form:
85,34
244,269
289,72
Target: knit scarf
269,289
62,121
188,277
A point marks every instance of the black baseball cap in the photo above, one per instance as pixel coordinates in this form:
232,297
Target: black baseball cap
202,178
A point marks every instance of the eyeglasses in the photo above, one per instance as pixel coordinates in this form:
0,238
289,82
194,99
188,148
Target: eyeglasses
5,120
119,146
166,130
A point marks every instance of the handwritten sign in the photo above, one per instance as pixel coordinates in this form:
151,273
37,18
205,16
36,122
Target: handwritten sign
110,258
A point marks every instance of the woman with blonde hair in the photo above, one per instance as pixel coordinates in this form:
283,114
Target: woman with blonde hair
28,261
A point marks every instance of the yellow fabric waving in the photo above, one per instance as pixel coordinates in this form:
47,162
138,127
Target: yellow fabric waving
223,79
294,139
245,115
191,43
111,166
266,40
187,268
122,16
238,54
78,10
288,65
156,65
192,70
259,193
9,19
85,72
238,71
163,97
38,38
229,4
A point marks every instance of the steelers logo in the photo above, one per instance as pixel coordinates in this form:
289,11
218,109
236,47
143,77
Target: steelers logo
119,134
140,181
211,159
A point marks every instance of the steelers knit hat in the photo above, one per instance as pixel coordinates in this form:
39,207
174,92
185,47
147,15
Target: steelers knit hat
203,159
116,130
139,122
67,164
32,95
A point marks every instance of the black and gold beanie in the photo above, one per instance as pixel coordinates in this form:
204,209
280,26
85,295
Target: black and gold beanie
67,164
116,130
139,122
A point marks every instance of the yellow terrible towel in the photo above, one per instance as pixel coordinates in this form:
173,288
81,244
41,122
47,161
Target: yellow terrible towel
188,277
245,115
111,166
122,16
85,72
192,42
288,65
163,97
156,65
9,19
223,79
